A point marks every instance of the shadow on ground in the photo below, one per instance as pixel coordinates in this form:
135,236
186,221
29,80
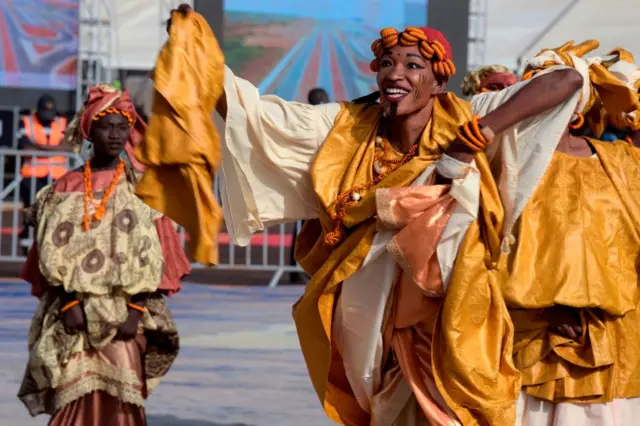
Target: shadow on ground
174,421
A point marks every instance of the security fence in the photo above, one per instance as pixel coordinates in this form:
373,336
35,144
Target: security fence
269,251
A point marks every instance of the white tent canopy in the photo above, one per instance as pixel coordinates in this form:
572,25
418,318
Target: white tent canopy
134,35
521,28
515,28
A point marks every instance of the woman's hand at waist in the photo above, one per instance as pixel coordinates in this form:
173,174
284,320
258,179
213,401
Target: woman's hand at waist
136,307
73,319
71,311
566,321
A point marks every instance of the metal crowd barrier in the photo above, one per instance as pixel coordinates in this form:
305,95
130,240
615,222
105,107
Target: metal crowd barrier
9,123
268,252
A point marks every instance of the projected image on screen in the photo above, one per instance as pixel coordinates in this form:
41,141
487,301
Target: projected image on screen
288,47
38,43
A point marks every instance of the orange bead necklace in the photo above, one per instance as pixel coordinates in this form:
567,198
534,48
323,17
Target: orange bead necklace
383,166
101,209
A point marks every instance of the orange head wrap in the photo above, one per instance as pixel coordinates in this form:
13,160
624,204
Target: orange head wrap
498,80
102,100
486,79
432,44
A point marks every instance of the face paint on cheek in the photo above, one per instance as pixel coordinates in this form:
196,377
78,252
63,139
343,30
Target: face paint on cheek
417,94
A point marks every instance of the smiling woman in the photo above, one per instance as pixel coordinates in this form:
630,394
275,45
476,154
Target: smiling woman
386,212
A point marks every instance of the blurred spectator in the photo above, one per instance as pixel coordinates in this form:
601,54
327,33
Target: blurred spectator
41,130
489,78
318,96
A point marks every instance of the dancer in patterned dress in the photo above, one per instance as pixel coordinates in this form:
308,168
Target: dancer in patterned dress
102,263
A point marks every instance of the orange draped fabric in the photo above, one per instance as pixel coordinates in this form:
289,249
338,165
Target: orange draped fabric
181,151
419,215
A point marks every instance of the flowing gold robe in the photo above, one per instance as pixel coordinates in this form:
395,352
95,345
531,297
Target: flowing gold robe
181,149
495,302
344,161
590,264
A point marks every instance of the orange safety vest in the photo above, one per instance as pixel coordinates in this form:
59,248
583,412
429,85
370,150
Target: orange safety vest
43,166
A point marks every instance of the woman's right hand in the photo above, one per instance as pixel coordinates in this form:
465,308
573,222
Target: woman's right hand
461,152
184,8
565,321
73,320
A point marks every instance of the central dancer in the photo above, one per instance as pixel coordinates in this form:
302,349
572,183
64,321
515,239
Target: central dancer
371,180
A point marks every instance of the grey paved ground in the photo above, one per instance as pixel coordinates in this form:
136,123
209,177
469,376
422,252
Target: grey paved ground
240,364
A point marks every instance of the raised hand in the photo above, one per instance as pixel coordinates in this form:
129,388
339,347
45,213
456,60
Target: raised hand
184,9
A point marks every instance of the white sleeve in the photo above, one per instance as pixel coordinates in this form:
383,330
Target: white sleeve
521,154
465,189
267,152
533,133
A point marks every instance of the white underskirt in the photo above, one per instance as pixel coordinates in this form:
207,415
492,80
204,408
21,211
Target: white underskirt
532,411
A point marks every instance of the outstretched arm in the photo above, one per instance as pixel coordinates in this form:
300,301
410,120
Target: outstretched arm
268,147
536,97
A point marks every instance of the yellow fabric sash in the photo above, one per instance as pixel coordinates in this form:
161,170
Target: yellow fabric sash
181,151
473,336
344,161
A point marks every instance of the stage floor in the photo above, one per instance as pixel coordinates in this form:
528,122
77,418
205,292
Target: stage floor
239,364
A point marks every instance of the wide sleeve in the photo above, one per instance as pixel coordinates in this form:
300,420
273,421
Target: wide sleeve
465,190
519,155
176,264
269,147
530,136
31,268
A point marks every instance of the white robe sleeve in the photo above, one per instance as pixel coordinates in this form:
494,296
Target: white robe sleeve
268,147
520,155
465,189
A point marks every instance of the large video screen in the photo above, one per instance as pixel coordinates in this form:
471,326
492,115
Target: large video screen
288,47
38,43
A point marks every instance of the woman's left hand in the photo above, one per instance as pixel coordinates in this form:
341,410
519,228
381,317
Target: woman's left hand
129,329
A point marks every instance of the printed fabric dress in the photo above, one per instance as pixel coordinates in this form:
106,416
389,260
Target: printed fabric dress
82,379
